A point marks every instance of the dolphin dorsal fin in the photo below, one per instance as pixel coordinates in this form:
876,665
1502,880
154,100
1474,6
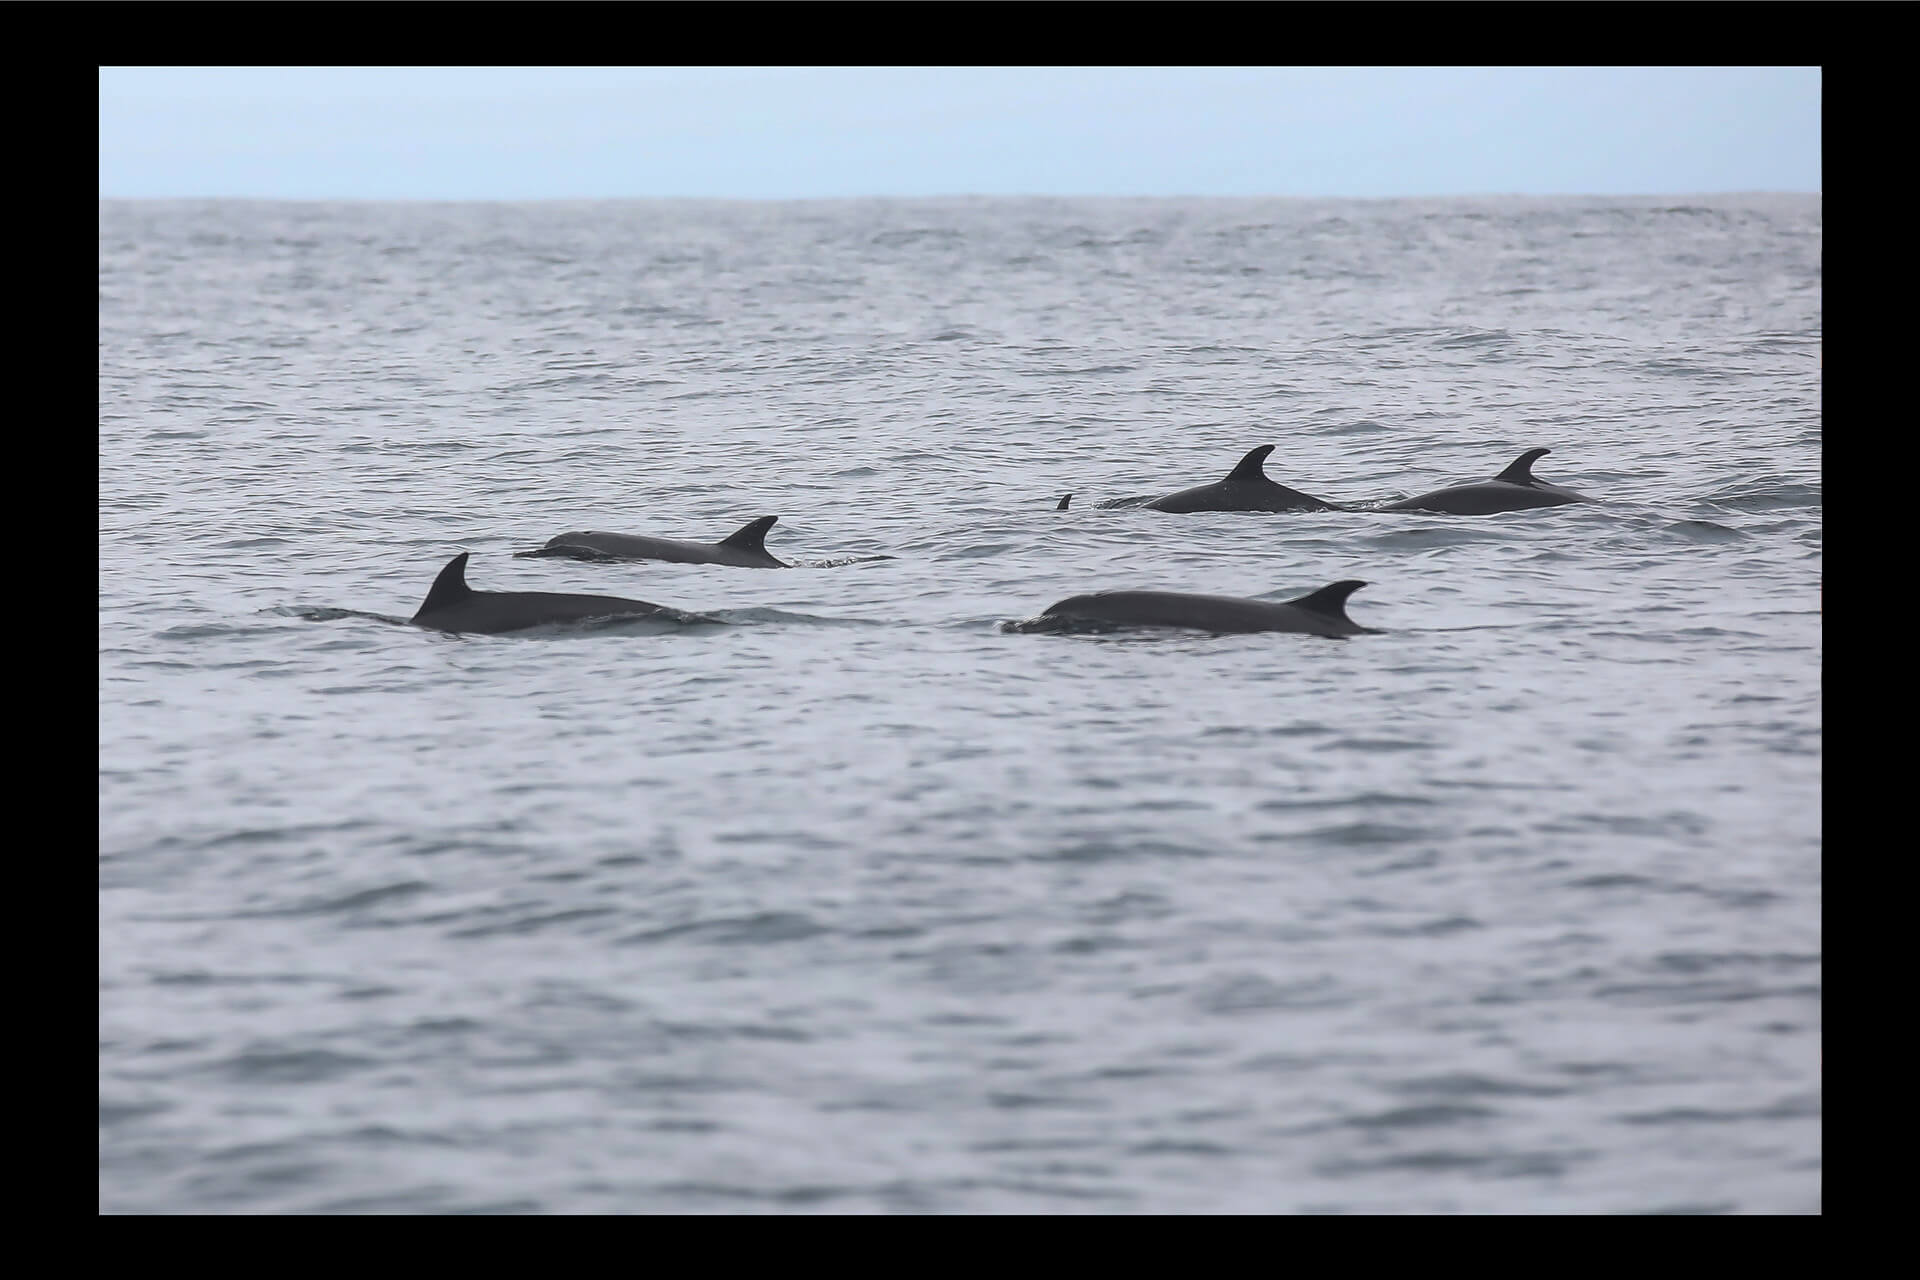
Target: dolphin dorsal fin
450,587
1064,500
751,536
1329,601
1521,471
1251,467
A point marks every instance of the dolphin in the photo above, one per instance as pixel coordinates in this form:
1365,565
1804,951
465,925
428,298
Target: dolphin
1319,613
454,606
1514,489
1246,488
746,546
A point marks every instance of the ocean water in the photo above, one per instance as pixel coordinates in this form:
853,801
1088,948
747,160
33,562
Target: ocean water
840,897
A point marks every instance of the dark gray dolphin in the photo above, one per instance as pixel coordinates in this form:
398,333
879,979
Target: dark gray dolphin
745,547
1319,613
1246,488
454,606
1514,489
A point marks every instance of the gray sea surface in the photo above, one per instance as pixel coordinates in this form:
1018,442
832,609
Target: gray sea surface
849,900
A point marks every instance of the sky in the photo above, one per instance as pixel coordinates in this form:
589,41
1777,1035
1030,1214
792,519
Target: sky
538,133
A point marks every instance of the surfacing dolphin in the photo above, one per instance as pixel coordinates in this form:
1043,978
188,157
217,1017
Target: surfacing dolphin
1319,613
454,606
745,547
1246,488
1514,489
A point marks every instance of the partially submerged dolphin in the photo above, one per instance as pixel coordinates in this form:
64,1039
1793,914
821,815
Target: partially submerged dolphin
454,606
1246,488
1319,613
1514,489
745,547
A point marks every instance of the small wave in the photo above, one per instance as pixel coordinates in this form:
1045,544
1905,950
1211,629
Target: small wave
1438,535
1252,993
765,927
1422,1117
326,613
1365,798
1362,834
523,925
272,1066
1474,338
1704,531
1111,850
768,614
835,562
1768,495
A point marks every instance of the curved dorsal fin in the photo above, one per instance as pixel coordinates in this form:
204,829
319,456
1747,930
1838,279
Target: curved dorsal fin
751,536
450,587
1065,498
1330,601
1521,471
1250,467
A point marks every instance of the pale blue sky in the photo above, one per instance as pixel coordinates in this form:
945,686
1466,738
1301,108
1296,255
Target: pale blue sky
527,133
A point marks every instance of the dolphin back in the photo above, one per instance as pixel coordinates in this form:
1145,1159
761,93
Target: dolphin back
1246,488
1321,612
